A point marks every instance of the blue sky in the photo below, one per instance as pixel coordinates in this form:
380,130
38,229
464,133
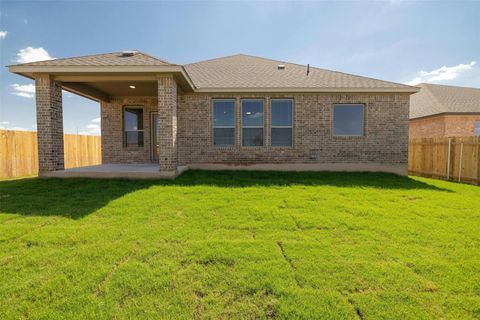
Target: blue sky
399,41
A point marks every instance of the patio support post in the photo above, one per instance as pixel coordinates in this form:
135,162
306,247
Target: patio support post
49,124
167,115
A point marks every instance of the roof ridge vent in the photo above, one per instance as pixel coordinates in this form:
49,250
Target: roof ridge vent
281,67
129,53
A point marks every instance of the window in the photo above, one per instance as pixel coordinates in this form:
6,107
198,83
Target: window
133,126
348,119
223,122
281,127
252,123
477,128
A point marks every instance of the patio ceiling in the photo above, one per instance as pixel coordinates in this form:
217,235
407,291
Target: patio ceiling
102,90
101,83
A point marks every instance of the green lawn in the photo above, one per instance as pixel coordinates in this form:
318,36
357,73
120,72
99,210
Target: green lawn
240,245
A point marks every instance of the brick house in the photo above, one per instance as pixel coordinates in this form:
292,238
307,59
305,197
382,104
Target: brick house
442,111
239,111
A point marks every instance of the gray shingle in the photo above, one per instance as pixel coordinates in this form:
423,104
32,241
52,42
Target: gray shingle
244,71
240,72
434,99
106,59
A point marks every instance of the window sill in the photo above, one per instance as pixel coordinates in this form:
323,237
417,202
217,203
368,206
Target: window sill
226,147
281,147
133,148
349,137
253,147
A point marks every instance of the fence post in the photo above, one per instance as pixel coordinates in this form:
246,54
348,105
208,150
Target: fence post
448,156
460,162
478,159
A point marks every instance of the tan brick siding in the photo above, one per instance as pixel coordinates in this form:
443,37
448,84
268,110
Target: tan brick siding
460,125
167,114
385,139
443,126
49,124
113,150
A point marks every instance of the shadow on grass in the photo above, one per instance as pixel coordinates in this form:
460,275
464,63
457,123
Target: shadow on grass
75,198
243,179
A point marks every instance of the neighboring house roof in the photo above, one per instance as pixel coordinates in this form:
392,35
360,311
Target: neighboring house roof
237,73
249,72
105,59
438,99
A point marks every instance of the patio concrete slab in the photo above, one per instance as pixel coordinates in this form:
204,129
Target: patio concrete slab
125,171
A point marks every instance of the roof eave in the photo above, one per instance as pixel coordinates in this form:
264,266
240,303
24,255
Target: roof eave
410,90
456,113
29,71
91,69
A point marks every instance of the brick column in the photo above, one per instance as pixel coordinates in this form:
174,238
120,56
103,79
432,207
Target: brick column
49,124
167,114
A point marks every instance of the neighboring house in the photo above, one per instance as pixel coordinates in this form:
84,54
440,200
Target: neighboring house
442,111
238,111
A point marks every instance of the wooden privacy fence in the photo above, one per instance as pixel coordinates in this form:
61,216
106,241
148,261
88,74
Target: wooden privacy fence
19,152
448,158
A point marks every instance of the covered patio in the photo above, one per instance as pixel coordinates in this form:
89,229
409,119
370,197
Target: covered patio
121,171
109,79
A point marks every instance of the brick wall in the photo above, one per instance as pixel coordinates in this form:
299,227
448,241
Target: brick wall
167,115
385,140
113,150
427,127
49,123
443,126
460,125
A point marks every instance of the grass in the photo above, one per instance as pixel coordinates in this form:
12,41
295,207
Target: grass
240,245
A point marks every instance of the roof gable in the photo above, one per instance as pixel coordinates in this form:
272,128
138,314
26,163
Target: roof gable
105,59
436,99
244,71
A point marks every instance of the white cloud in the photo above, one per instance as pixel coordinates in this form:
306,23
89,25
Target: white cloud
2,127
441,74
30,54
34,126
28,90
23,90
93,128
17,129
3,34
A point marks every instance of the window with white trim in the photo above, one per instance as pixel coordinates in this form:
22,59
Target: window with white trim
348,119
281,113
133,126
223,122
252,122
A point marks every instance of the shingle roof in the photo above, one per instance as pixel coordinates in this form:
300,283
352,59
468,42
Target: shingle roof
244,71
106,59
434,99
237,72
